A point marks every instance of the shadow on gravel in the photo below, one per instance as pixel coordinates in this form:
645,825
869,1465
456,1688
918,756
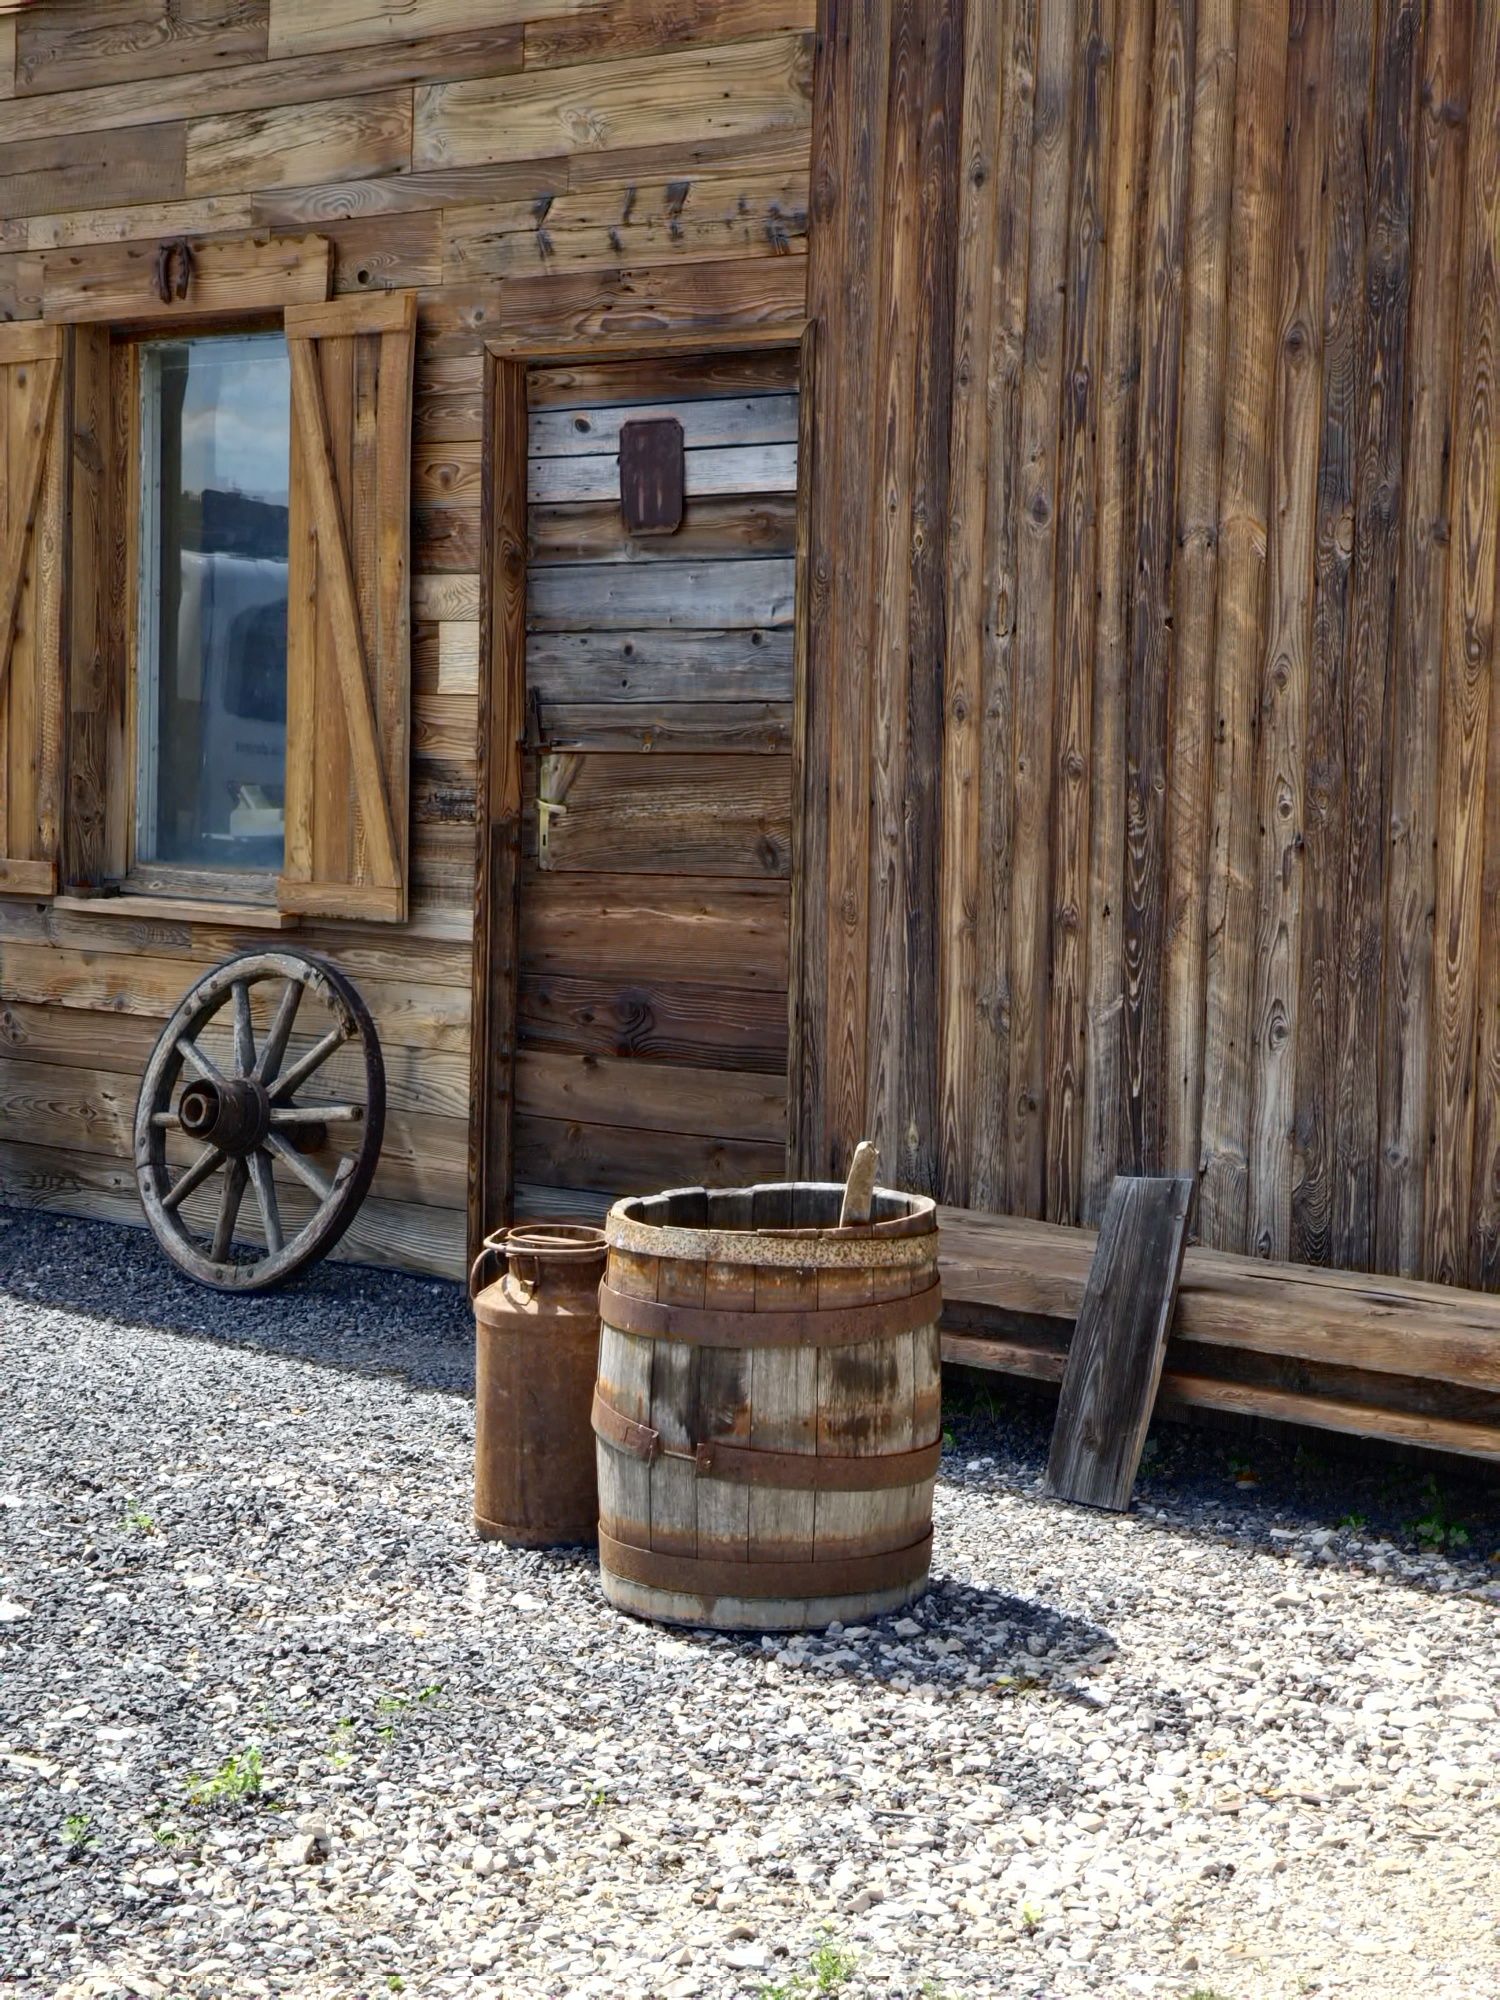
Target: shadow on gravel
1375,1506
348,1316
957,1638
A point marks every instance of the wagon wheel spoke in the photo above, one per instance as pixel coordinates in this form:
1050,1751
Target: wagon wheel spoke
194,1057
315,1114
229,1209
275,1045
306,1172
265,1200
244,1034
304,1066
206,1163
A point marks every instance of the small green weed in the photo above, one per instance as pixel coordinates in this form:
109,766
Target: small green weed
238,1778
399,1706
341,1744
395,1982
831,1966
396,1704
1019,1687
1437,1531
78,1831
1031,1918
948,1440
136,1520
1355,1523
968,1399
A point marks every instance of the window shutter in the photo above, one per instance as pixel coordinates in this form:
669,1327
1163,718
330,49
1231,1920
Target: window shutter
348,617
33,504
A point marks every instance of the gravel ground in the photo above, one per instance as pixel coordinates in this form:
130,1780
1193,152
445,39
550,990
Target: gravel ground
271,1722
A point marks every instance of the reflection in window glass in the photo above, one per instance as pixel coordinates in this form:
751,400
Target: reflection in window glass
211,695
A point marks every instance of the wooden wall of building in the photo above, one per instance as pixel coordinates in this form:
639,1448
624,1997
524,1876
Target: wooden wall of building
1154,549
544,169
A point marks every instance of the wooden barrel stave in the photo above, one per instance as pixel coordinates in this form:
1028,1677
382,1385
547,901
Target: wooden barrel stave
674,1407
724,1404
864,1410
783,1417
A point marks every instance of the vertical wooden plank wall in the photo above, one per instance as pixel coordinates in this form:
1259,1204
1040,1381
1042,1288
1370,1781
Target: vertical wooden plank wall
1191,311
535,169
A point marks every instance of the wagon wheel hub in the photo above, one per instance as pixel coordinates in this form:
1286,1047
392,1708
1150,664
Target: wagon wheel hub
234,1115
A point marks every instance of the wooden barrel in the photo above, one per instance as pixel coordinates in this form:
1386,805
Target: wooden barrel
767,1414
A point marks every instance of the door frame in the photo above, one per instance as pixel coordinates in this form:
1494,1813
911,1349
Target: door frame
501,725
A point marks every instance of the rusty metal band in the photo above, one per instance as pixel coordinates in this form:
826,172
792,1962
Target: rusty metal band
840,1577
788,1471
836,1326
623,1432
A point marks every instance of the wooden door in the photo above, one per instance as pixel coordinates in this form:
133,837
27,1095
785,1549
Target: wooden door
651,1010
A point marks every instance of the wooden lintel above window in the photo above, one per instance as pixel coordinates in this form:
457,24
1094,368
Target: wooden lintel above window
120,282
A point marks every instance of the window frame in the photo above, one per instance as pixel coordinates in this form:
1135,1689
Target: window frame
98,305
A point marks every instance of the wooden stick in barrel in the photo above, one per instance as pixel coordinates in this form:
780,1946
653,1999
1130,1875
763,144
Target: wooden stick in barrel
859,1189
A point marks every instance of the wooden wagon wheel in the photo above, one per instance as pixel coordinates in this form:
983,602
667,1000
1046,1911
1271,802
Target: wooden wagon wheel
240,1114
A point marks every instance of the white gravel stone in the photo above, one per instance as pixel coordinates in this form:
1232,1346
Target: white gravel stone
1217,1744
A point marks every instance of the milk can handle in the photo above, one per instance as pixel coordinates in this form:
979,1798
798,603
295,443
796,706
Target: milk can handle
493,1246
487,1249
496,1246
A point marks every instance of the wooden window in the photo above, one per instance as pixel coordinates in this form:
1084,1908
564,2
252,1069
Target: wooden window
33,505
121,759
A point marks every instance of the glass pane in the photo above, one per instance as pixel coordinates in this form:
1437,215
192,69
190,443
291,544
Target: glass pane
215,435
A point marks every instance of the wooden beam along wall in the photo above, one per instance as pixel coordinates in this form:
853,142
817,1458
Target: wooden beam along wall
1381,1357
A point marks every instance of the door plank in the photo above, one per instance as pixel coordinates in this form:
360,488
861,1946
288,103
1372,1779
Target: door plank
620,1160
648,927
604,596
679,1021
727,468
706,421
652,1097
663,814
751,664
759,727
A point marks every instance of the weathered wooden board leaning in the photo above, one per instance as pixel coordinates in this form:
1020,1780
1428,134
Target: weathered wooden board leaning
1120,1341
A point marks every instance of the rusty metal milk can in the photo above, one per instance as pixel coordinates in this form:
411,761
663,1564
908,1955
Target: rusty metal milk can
536,1332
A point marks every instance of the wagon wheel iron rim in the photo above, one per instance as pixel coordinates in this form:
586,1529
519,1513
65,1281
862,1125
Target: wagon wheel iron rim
239,1112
